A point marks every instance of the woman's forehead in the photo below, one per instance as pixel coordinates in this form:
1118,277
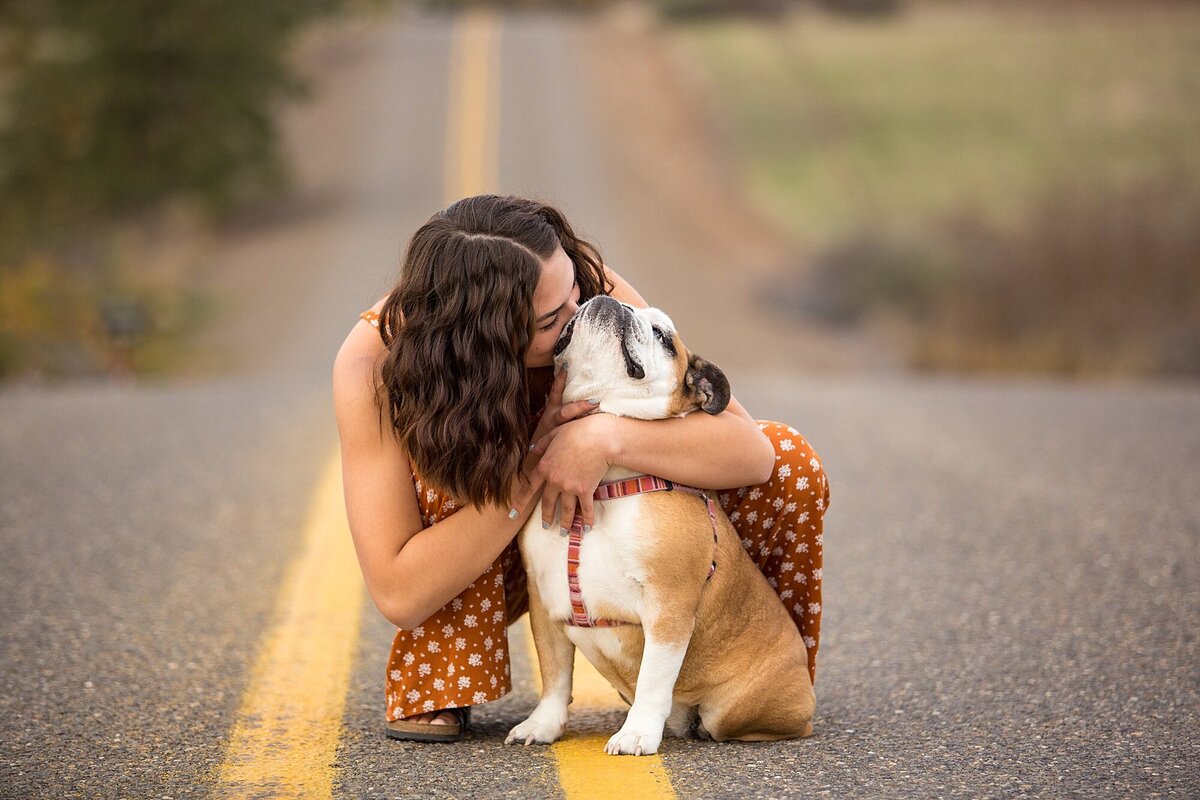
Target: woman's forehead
554,286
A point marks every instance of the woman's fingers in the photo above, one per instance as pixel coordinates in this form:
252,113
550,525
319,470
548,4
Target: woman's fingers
567,501
577,409
587,511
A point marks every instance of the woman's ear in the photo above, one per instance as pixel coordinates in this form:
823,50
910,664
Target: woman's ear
707,384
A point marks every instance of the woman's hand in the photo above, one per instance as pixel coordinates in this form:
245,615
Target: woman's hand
553,416
575,457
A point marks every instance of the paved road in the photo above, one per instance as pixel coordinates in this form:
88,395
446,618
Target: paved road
1011,568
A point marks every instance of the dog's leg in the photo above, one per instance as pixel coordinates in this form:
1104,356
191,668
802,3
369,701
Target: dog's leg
667,639
556,660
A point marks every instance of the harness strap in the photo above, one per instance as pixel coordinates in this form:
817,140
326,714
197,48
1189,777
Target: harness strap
611,491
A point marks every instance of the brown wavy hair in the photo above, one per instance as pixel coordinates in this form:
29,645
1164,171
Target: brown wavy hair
456,327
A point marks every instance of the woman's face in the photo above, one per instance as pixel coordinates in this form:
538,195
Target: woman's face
554,301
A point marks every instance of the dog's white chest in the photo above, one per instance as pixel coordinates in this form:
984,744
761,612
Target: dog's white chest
610,561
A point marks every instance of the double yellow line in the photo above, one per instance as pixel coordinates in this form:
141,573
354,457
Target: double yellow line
285,740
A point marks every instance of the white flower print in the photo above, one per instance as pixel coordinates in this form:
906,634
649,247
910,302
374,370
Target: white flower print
802,483
496,581
450,670
793,431
814,608
790,508
418,631
413,695
409,658
497,615
746,543
475,659
487,643
499,656
816,465
801,578
395,675
809,642
798,609
768,523
449,505
752,517
447,630
478,697
434,647
787,446
756,493
429,495
820,539
427,705
723,499
786,594
456,604
464,681
820,503
485,604
777,551
777,503
802,547
439,684
790,536
785,470
787,566
735,516
494,681
424,669
460,643
817,574
471,621
774,583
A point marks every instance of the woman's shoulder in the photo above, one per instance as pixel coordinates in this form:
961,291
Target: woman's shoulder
354,368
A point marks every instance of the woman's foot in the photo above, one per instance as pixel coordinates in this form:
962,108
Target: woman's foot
447,725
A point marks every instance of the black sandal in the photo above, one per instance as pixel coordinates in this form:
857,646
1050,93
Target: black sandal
410,731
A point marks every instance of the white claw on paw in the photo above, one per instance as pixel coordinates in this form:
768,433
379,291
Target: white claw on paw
632,740
535,730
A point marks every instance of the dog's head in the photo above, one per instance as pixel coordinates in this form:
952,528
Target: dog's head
633,360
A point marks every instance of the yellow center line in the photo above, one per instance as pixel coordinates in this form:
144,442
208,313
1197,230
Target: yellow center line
285,740
473,124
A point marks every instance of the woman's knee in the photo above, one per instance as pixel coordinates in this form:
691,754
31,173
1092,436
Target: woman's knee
798,469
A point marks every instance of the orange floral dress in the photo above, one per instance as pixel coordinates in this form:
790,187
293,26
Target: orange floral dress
460,655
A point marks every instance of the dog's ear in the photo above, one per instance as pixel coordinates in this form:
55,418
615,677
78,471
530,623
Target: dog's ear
564,338
707,385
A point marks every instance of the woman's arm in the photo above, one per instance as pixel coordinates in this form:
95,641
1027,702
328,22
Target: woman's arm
709,452
412,571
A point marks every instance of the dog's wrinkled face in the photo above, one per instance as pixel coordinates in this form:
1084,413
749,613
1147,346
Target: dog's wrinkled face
632,359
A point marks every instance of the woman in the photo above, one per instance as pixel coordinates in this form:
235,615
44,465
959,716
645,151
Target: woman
452,428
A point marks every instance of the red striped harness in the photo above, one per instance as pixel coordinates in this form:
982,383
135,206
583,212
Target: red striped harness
610,491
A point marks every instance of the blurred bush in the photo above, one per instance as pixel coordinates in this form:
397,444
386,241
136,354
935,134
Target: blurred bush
1018,187
110,108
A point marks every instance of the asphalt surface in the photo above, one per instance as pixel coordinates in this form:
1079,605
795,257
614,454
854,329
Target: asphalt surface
1011,595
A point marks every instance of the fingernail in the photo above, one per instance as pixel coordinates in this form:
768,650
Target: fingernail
512,513
595,401
563,532
545,525
587,528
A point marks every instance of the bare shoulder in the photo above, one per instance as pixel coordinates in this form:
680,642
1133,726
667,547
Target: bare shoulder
355,370
623,290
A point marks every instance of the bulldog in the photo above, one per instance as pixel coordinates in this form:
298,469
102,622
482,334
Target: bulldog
659,594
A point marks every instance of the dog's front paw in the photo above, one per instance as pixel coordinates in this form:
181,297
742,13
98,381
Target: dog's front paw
639,738
538,729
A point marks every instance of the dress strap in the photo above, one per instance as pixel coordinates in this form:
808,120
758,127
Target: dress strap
371,317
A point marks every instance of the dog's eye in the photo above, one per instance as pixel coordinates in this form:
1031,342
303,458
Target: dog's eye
665,338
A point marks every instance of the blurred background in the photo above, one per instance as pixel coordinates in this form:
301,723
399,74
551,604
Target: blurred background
948,185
